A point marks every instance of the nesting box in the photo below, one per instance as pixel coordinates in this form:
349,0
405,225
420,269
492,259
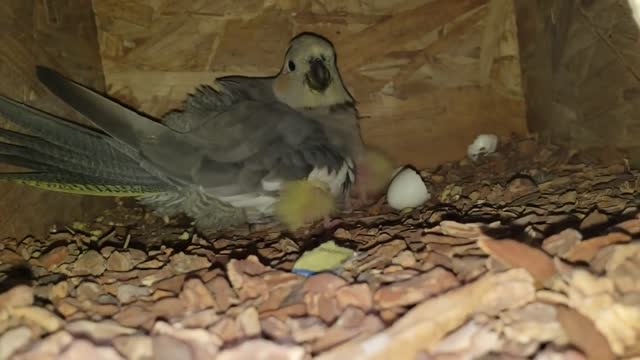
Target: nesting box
428,75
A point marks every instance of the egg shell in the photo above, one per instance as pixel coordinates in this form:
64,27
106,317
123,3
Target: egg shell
407,190
483,144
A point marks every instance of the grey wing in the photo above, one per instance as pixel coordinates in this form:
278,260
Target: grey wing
230,152
206,101
262,140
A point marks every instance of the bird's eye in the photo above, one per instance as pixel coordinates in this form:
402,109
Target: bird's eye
291,65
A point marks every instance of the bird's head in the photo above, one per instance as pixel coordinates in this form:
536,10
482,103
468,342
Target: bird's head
309,77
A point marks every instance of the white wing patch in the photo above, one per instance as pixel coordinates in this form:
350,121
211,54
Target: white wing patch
258,206
335,180
271,184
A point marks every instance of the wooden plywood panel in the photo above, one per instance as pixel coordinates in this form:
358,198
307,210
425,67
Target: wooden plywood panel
428,75
582,69
62,35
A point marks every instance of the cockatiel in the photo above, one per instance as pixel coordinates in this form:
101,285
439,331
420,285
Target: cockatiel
222,160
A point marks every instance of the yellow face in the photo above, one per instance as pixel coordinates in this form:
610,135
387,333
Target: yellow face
309,76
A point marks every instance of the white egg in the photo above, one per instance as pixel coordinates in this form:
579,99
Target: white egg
483,144
407,190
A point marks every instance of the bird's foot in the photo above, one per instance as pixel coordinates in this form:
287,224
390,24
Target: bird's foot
357,202
316,228
348,206
363,197
329,223
376,208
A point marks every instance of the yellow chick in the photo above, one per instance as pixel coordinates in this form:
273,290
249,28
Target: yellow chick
375,171
302,202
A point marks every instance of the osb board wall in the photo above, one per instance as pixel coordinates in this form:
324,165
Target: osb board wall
62,35
581,62
428,75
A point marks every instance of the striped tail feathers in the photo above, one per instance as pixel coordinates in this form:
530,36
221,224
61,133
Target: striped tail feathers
116,166
83,185
127,130
112,117
71,158
54,129
35,166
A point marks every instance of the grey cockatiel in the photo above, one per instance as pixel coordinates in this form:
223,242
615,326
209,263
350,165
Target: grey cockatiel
222,160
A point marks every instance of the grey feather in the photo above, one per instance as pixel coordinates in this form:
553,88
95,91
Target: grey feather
238,140
120,168
62,149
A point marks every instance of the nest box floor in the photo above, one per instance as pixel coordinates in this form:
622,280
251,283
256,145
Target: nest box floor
530,252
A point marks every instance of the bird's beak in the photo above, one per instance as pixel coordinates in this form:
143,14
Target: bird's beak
318,76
